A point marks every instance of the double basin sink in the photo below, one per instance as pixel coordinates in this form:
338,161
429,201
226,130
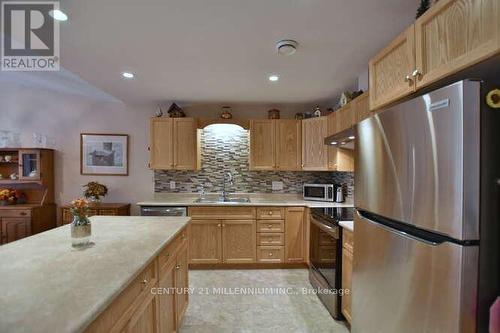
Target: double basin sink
223,200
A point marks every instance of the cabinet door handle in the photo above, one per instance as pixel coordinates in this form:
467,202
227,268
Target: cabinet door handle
408,79
144,282
270,213
24,213
177,267
416,73
270,254
219,225
269,226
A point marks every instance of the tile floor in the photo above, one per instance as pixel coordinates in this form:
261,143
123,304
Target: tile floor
222,310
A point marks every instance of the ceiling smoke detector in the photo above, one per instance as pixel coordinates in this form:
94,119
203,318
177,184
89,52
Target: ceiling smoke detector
286,47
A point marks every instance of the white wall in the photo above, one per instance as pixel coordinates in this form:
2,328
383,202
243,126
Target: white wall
28,105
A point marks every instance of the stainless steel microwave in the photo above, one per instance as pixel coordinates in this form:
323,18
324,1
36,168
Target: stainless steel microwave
319,192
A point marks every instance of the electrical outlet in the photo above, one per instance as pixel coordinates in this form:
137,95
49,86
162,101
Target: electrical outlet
277,186
172,185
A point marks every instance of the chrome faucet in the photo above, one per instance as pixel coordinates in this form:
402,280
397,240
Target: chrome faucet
229,178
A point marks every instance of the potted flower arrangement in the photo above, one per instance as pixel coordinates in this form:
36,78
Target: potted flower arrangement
80,227
94,191
8,197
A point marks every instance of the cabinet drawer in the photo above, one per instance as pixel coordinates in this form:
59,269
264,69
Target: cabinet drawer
115,317
271,213
270,254
170,250
270,238
270,226
15,213
222,213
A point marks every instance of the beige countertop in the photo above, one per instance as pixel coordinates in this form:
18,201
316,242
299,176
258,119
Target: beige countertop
188,199
349,225
47,286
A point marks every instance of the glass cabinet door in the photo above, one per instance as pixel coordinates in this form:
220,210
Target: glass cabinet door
29,165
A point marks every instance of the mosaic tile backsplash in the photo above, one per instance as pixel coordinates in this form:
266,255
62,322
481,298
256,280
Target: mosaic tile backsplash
226,148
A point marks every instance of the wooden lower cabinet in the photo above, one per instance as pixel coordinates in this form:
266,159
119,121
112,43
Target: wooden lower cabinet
167,301
295,235
205,241
145,319
14,228
347,256
138,308
239,241
273,235
181,283
105,209
17,222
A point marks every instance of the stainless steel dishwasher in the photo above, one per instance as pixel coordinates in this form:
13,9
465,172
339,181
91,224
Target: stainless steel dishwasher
163,211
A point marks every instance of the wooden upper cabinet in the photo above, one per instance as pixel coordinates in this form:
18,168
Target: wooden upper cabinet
262,145
275,144
314,150
344,118
455,34
174,144
185,144
361,107
288,144
390,71
161,144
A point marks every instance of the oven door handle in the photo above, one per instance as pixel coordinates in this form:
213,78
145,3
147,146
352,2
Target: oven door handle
326,228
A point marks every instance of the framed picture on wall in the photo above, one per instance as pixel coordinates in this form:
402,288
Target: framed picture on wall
104,154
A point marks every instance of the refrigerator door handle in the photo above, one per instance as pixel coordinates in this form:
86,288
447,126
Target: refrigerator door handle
398,232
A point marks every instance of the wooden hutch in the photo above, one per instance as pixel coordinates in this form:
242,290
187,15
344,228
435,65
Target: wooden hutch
32,171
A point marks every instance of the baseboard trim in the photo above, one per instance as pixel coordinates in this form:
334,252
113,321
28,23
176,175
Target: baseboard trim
248,266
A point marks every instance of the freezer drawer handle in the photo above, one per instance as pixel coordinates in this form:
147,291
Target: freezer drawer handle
398,232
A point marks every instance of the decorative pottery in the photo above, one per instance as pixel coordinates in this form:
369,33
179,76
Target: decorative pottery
226,112
273,114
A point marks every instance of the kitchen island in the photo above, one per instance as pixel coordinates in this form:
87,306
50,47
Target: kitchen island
48,286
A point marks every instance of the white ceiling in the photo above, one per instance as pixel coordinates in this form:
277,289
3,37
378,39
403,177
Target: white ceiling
223,50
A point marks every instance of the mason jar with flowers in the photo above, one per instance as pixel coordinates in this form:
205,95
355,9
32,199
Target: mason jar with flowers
80,227
94,191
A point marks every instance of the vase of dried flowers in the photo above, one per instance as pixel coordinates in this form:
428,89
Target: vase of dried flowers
80,227
94,191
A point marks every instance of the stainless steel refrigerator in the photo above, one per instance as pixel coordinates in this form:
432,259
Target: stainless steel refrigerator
426,251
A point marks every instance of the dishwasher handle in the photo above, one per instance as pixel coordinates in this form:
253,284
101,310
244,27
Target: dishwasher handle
163,211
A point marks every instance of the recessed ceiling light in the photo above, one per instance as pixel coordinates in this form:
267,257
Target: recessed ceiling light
58,15
352,137
334,143
128,75
342,143
274,78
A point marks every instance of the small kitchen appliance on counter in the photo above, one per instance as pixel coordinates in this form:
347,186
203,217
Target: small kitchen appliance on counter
321,192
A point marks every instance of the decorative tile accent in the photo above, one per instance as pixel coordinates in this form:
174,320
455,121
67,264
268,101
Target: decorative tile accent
227,149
